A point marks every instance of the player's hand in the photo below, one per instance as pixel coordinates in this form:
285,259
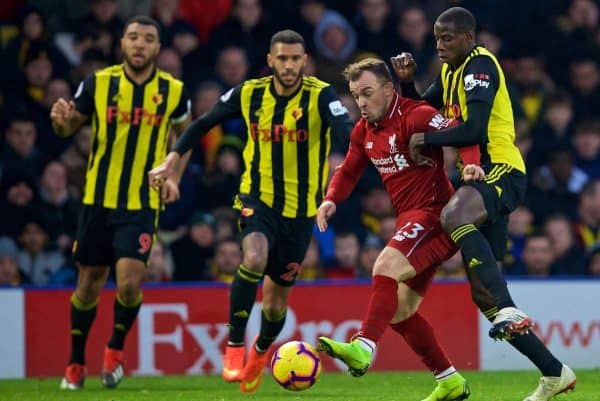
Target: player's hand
324,213
62,112
169,191
161,173
415,147
404,66
473,172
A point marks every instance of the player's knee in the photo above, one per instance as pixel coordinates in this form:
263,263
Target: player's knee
129,291
393,268
453,216
274,310
255,260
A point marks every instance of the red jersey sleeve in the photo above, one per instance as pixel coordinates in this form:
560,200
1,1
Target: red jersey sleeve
424,117
347,174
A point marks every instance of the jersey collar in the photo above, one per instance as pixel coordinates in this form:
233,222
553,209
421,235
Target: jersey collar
274,92
150,78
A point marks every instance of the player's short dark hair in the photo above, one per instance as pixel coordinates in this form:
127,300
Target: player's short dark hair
143,20
288,37
378,67
462,19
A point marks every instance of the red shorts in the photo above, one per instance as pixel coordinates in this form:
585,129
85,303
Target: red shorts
423,241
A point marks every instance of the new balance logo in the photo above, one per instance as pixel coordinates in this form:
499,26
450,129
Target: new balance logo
369,145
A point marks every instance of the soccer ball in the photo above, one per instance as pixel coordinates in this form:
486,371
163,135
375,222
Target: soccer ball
296,366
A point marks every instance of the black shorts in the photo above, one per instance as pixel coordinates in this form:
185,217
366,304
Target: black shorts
288,238
106,235
502,191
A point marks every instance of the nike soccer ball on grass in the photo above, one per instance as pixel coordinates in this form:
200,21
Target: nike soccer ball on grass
296,366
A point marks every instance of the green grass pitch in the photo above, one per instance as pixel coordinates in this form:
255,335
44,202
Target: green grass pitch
389,386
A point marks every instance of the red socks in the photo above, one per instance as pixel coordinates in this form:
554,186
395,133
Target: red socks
419,335
382,307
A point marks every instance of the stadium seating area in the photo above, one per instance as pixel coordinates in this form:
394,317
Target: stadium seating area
550,51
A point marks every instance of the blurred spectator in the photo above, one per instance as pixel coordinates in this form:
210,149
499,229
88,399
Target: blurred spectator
533,86
232,66
587,227
312,268
52,144
247,28
10,274
374,28
166,13
347,250
335,43
554,129
369,253
520,224
157,269
223,183
206,96
19,151
538,257
226,222
415,36
91,61
585,85
59,208
568,253
571,36
33,41
75,159
103,19
586,142
39,263
555,186
310,13
593,261
168,60
490,41
376,205
196,66
18,201
228,257
192,252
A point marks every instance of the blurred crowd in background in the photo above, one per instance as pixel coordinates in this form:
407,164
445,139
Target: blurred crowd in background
550,51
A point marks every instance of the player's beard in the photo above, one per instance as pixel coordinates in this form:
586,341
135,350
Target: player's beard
279,78
141,67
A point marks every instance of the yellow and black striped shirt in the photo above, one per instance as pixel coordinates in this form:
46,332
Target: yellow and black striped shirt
288,141
474,92
130,128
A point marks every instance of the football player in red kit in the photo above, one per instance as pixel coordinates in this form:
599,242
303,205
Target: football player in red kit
405,267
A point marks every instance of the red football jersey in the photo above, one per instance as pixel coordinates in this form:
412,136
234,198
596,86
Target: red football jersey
385,145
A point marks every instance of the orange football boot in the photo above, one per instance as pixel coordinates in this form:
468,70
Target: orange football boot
254,369
233,363
74,377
